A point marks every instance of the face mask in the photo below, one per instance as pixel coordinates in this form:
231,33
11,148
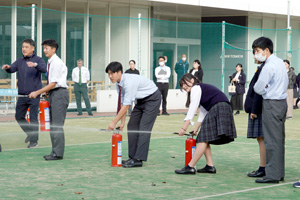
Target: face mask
183,59
161,63
259,57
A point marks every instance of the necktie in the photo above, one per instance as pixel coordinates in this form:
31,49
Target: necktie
48,74
119,100
80,76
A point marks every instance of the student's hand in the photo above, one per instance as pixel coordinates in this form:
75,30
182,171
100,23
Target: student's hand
45,94
5,66
253,116
181,132
195,131
31,64
121,126
111,126
33,95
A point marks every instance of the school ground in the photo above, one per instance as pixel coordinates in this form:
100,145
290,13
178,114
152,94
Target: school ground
85,172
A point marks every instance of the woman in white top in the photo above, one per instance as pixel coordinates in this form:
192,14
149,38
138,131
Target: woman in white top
215,121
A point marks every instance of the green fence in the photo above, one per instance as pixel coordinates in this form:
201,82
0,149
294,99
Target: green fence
219,46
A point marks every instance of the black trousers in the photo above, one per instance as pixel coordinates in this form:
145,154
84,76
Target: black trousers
163,88
32,128
142,119
58,104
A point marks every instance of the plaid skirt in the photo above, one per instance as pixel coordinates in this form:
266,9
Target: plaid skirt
218,125
255,127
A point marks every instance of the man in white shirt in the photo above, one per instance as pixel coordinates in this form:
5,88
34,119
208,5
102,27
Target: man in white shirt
58,98
81,77
162,74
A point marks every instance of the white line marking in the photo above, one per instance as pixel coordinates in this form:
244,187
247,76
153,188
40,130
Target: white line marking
81,144
257,144
240,191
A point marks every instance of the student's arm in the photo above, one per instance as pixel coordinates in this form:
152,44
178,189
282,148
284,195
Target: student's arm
158,76
47,88
87,76
121,116
242,80
11,68
263,80
293,78
168,73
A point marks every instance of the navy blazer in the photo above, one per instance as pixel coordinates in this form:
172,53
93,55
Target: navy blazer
240,86
253,102
198,74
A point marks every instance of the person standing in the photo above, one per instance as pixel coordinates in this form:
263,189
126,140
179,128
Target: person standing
29,68
162,74
132,70
144,113
295,90
272,84
253,106
290,89
197,70
181,68
239,80
81,77
58,98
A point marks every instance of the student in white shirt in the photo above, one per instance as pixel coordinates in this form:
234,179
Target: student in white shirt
81,77
58,98
162,74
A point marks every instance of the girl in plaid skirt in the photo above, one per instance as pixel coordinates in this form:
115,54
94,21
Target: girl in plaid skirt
215,119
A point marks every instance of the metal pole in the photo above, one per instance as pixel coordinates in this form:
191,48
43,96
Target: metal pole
139,45
223,54
32,21
289,38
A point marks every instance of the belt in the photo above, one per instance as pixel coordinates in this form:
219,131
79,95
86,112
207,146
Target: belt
58,88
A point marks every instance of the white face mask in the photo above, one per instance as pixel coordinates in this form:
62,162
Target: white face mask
259,57
161,64
183,59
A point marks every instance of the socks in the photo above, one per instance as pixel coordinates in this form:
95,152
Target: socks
261,169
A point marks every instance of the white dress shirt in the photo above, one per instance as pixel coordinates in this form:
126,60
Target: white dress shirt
162,74
85,75
196,93
57,72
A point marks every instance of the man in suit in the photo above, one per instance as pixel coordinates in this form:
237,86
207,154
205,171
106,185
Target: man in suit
81,77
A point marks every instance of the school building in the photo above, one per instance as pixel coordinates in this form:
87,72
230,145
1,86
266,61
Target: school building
217,32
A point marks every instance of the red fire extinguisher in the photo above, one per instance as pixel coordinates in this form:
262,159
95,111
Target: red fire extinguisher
190,147
116,149
44,115
28,116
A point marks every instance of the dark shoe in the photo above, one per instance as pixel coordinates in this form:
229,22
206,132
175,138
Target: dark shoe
158,114
126,161
297,184
90,114
79,114
133,163
186,170
237,113
27,139
257,174
207,169
165,113
282,179
265,180
52,157
32,145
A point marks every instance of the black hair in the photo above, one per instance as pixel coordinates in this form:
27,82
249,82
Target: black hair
51,43
29,41
161,57
239,64
114,67
131,61
263,43
292,68
287,61
187,78
199,63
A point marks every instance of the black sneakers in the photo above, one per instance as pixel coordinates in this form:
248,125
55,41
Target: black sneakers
207,169
132,163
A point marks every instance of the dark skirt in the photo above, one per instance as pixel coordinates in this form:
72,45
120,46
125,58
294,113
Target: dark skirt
296,94
255,127
218,125
236,102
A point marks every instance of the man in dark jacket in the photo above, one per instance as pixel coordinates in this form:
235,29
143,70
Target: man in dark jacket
29,68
